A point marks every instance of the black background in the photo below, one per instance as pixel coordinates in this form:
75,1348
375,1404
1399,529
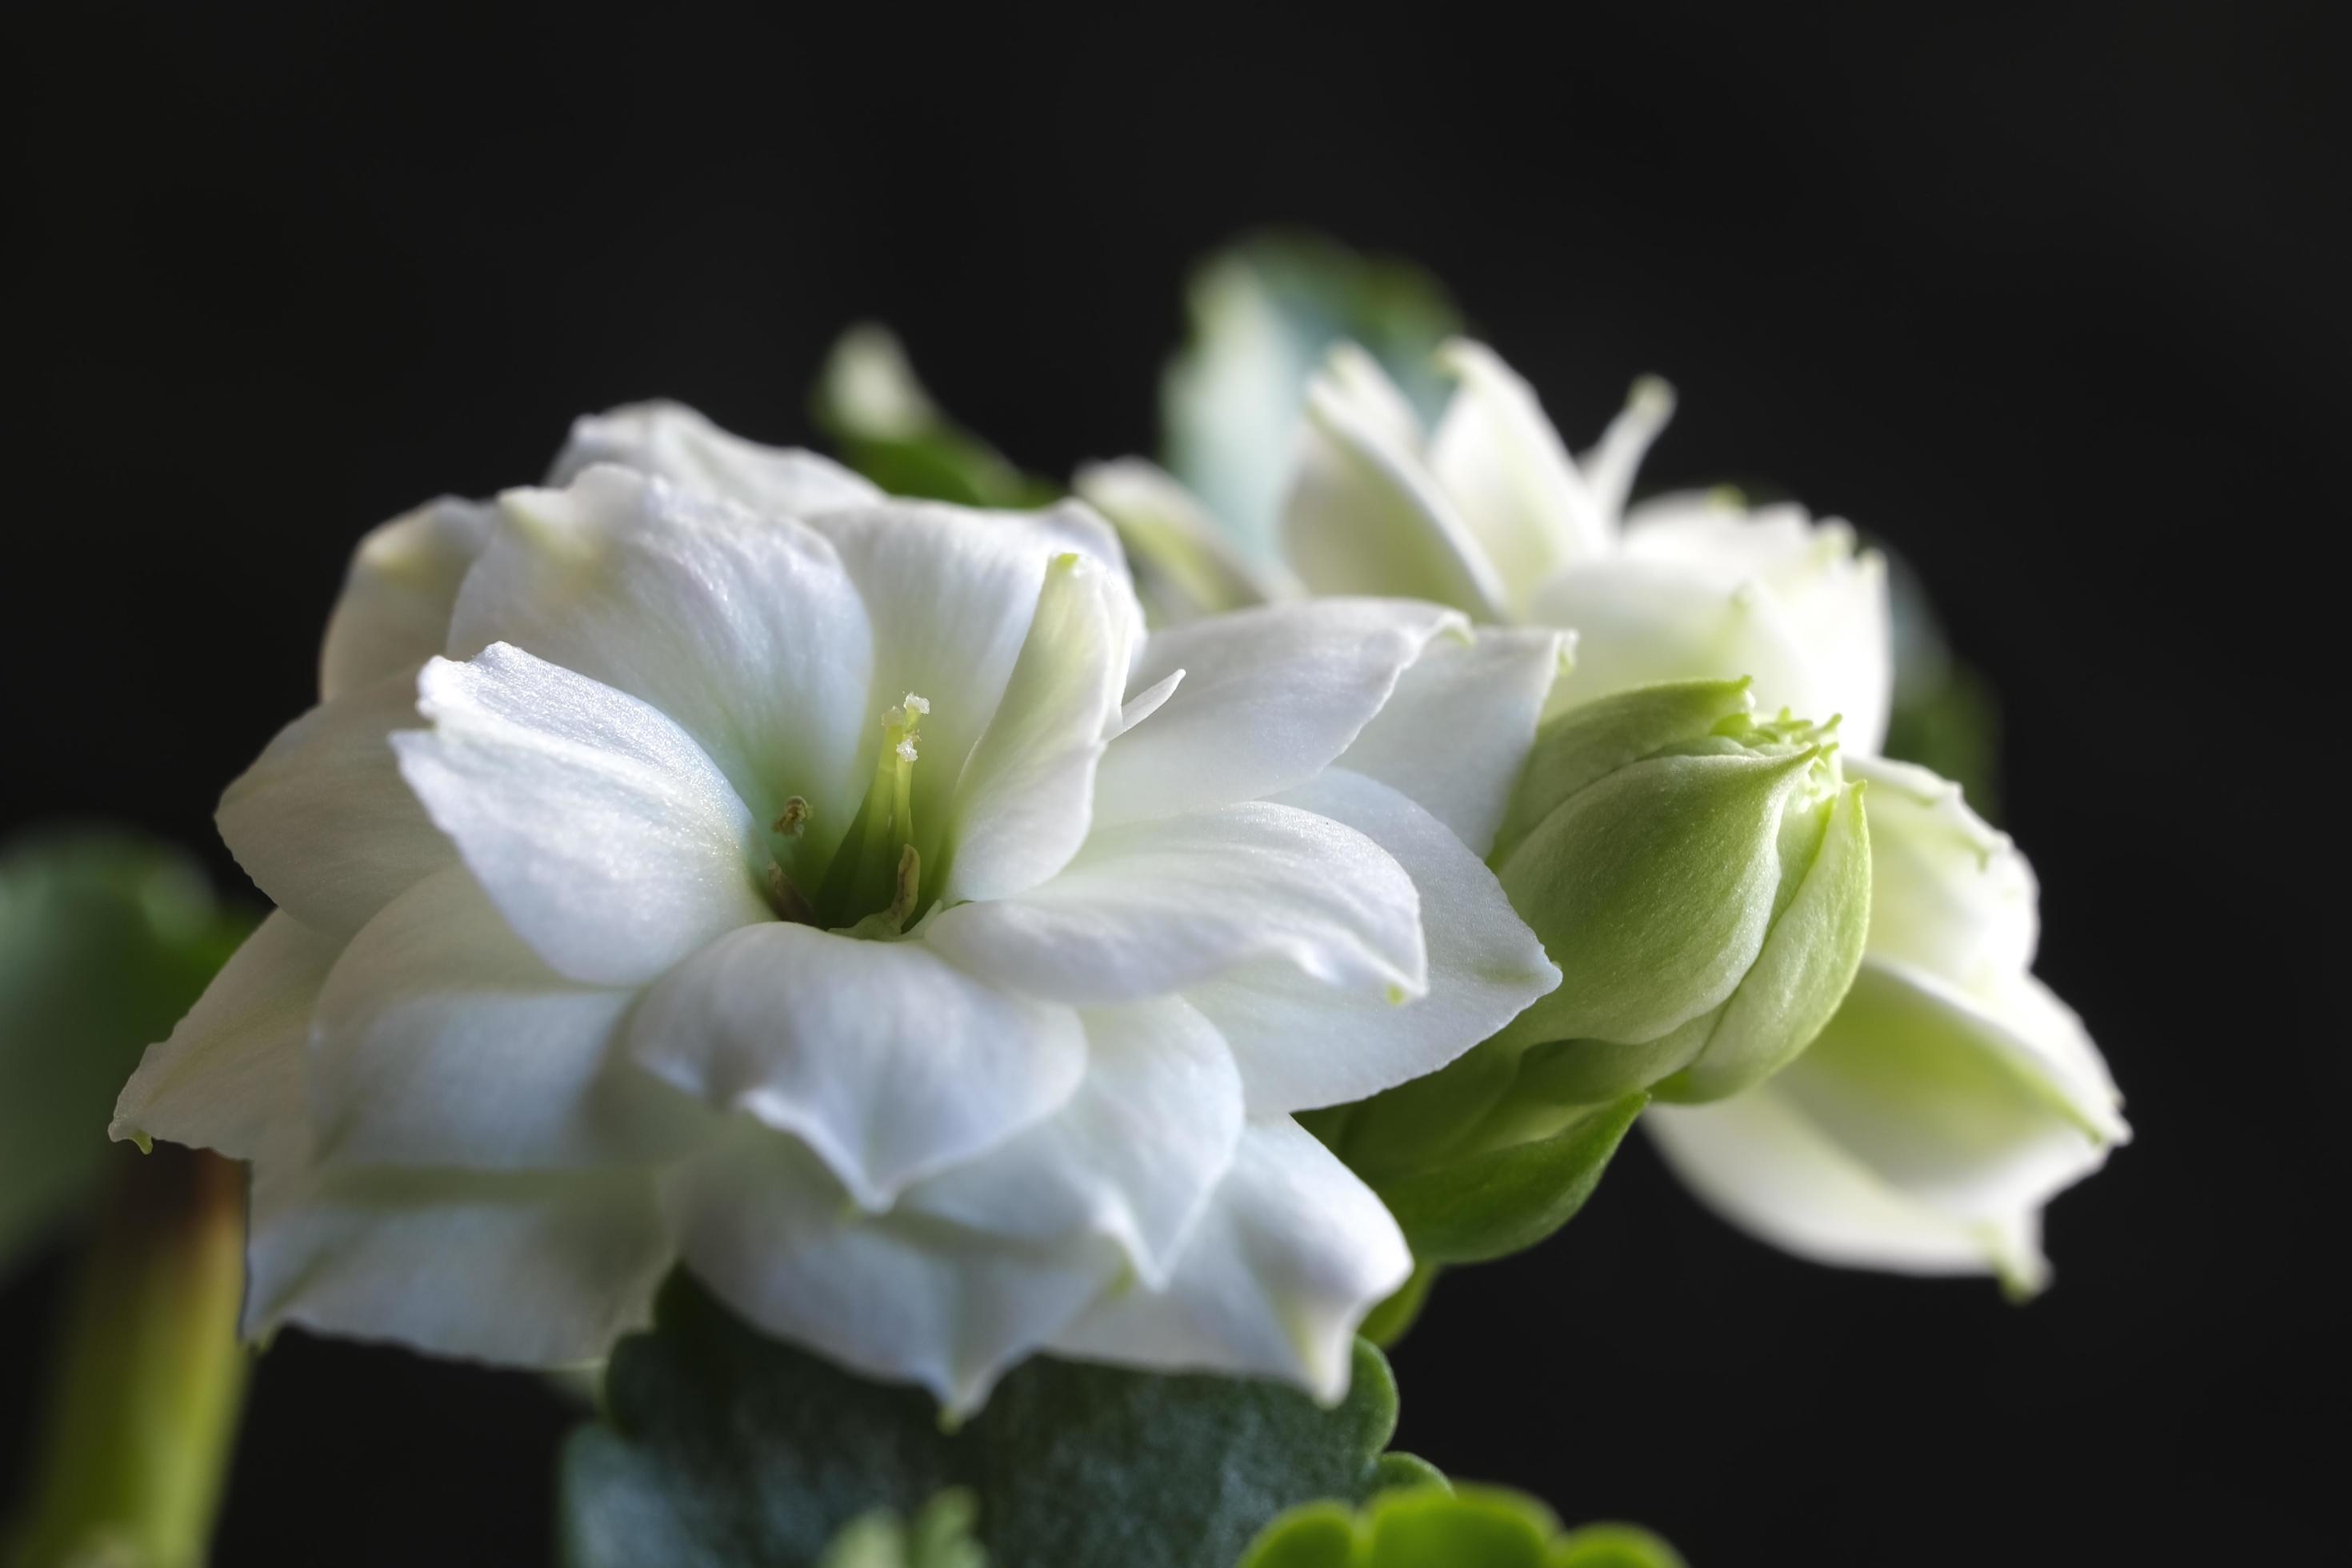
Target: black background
2042,295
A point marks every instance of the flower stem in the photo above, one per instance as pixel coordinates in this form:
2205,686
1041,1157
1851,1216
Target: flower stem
143,1409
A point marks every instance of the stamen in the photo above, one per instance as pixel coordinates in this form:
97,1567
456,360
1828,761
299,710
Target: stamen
795,817
791,904
907,892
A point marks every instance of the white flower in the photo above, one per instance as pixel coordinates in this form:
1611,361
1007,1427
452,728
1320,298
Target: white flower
1492,515
1952,1094
1950,1098
713,860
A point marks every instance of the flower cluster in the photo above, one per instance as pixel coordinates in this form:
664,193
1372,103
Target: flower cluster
931,935
1919,1119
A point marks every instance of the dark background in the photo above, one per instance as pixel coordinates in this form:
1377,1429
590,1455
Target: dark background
2043,295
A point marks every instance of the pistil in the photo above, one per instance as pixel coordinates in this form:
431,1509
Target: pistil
875,883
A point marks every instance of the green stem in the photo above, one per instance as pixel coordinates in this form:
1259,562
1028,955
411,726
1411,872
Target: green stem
143,1411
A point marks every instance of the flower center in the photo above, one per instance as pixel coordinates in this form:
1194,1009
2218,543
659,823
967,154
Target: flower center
874,886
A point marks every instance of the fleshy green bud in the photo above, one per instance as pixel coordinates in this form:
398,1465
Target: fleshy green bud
1701,877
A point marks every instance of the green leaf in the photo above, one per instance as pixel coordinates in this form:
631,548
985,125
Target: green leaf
106,939
1486,1157
723,1446
1265,312
1386,1323
1503,1200
1613,1546
1471,1527
870,403
940,1537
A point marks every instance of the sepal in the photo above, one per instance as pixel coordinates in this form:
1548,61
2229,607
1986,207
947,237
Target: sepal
1702,879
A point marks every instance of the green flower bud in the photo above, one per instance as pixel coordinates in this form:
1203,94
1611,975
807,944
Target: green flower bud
1701,877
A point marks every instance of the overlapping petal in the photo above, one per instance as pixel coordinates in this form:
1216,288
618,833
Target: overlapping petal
605,836
1922,1131
746,631
1509,475
1454,733
1949,894
1641,623
1365,515
1301,1044
441,1039
673,442
523,1269
1132,1155
1148,909
899,1297
1292,1253
1757,1161
949,600
393,614
322,821
1830,595
233,1067
1026,797
1270,696
887,1060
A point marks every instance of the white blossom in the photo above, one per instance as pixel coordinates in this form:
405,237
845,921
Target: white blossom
1952,1094
709,859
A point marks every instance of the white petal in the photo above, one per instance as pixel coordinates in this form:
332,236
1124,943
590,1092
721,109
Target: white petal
1300,1044
1922,1131
1758,1162
1713,532
676,443
1638,623
1270,696
1027,793
897,1296
234,1066
322,821
1830,598
950,594
516,1267
1292,1253
1147,702
1154,906
1187,565
1065,527
1948,893
2057,1048
1501,464
1608,468
1354,379
1073,527
1454,734
1132,1156
1944,1100
888,1061
399,592
600,829
746,631
441,1039
1364,515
